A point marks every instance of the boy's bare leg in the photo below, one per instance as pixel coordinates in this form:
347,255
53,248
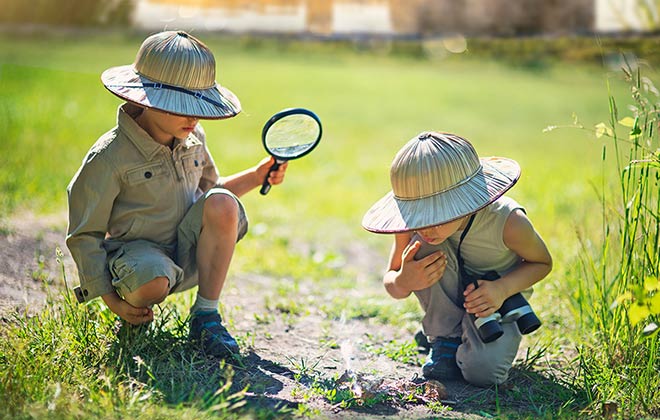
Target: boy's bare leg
149,294
215,249
217,240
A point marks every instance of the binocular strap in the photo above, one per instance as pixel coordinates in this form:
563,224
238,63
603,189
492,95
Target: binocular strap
465,278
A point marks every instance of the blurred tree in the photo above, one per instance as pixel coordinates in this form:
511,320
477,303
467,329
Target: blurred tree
68,12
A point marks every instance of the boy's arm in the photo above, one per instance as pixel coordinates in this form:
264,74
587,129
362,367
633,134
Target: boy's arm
521,237
91,194
254,177
405,274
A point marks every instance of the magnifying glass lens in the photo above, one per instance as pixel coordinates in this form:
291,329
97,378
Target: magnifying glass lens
290,134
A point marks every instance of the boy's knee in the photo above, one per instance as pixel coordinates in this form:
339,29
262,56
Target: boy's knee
484,373
220,209
150,293
483,369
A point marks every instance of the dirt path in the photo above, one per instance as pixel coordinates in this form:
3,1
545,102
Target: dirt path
28,259
289,358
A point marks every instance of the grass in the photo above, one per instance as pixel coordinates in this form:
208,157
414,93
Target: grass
620,300
71,361
306,233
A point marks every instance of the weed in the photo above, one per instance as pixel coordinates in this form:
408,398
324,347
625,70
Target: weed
619,299
399,351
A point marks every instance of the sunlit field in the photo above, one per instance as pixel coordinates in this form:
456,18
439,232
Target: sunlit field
53,107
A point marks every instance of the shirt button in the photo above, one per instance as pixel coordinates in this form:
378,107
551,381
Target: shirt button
147,174
196,163
86,292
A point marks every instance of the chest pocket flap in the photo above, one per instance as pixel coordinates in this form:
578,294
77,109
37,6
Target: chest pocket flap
193,162
145,173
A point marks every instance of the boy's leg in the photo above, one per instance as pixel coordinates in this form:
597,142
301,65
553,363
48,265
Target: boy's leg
143,272
217,240
207,238
486,364
150,293
443,313
442,322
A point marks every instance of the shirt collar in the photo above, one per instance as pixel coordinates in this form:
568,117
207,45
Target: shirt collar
188,142
147,146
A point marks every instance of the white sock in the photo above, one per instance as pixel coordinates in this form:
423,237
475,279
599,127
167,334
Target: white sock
204,305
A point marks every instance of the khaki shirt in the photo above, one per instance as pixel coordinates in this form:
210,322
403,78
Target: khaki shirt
131,187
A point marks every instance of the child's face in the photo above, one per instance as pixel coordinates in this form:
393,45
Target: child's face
436,235
169,126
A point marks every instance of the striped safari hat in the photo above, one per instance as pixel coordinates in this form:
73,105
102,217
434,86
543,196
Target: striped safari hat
173,72
437,178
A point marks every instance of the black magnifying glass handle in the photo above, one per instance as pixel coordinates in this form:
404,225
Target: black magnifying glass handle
265,187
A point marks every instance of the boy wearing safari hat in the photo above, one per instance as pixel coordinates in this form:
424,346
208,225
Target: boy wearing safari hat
149,214
451,225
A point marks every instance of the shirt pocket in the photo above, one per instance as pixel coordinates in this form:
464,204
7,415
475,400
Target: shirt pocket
120,266
148,173
193,165
149,188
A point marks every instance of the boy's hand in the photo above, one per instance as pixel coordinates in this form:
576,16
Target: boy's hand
274,177
133,315
484,300
418,275
126,311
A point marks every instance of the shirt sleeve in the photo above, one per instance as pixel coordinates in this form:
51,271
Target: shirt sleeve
91,194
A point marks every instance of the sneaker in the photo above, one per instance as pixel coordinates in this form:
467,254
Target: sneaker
207,329
441,361
423,345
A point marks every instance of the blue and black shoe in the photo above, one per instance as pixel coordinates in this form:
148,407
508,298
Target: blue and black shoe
441,361
206,329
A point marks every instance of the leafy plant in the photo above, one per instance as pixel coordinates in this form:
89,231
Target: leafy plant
619,299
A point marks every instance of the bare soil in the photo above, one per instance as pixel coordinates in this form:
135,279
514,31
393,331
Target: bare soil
282,347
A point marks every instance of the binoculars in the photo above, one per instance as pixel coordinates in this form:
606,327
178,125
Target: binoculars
513,309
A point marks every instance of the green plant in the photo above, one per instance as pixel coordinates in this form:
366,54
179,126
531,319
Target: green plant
619,301
73,360
400,351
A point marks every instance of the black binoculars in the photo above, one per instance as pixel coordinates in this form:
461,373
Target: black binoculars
514,309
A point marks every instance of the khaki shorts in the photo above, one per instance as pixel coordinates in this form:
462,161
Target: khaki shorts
138,262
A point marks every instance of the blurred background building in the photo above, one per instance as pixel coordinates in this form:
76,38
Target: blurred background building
338,18
400,17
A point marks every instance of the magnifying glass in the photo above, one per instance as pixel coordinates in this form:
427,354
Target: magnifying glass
289,134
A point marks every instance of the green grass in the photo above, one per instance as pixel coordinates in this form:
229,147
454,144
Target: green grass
53,107
620,300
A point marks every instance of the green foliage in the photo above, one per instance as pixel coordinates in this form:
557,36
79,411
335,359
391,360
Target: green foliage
536,54
400,351
72,361
67,12
619,301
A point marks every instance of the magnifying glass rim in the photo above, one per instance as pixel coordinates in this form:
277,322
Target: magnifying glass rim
284,113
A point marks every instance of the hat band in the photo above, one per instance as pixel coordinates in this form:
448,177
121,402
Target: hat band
458,184
197,95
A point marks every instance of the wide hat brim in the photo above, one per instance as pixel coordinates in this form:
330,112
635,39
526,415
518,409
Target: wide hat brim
392,215
216,102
